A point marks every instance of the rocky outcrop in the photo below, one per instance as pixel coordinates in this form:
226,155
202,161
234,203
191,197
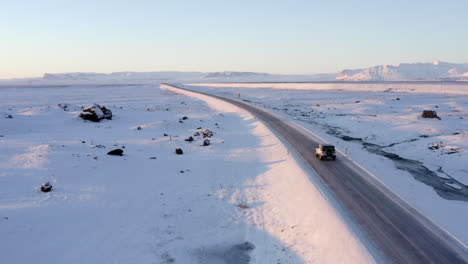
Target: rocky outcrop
96,113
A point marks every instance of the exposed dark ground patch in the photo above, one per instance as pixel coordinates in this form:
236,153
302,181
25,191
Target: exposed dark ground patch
235,254
442,185
419,172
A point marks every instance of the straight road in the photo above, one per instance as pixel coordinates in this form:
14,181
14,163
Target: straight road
398,231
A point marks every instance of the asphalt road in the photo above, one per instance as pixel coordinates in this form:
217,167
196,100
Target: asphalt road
398,231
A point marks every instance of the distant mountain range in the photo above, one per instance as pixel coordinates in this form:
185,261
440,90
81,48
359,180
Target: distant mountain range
408,71
436,71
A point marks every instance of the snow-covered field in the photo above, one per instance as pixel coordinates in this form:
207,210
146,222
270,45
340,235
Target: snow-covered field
380,126
151,205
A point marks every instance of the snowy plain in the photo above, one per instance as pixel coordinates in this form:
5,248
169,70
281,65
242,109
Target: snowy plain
379,125
151,205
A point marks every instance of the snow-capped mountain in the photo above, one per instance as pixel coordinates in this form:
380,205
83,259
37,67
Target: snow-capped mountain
136,77
87,78
230,74
408,71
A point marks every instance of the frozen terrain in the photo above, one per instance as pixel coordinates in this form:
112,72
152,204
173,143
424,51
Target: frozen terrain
243,199
380,127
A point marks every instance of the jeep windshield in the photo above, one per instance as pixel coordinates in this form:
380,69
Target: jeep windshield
328,148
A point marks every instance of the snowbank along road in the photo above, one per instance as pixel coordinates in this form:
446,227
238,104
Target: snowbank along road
396,229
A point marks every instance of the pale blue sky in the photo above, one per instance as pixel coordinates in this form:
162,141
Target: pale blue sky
264,36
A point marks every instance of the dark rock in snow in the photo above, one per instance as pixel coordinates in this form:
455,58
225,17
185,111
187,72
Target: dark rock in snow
206,142
63,106
166,135
96,113
115,152
429,114
46,187
139,128
207,133
179,151
189,139
199,127
196,134
9,116
184,118
153,158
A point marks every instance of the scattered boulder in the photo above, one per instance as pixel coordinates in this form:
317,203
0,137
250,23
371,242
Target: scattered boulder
179,151
199,127
166,135
139,128
46,187
184,118
206,142
189,139
9,116
429,114
63,106
437,145
197,134
207,133
357,102
243,206
115,152
96,113
153,158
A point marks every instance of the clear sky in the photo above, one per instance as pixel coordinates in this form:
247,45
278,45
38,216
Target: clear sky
38,36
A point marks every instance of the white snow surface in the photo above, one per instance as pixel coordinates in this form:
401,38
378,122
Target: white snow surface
151,205
389,116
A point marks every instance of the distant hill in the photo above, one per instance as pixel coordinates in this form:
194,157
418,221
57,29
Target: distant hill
436,71
408,71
